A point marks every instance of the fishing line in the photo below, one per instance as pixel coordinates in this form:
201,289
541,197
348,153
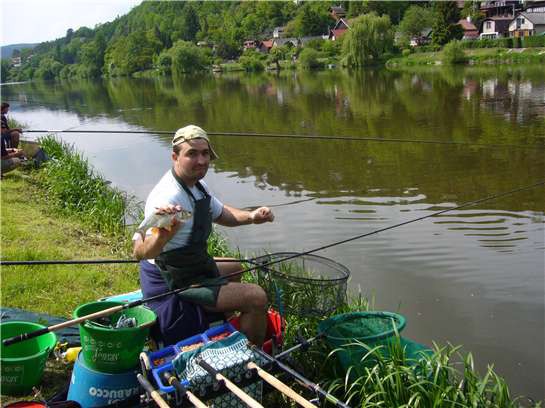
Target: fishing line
296,136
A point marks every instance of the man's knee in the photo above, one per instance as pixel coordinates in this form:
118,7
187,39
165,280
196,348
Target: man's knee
257,296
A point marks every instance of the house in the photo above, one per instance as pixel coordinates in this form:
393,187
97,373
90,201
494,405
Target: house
289,41
495,27
265,46
250,44
422,39
278,32
535,7
527,24
501,8
470,31
340,27
337,12
16,61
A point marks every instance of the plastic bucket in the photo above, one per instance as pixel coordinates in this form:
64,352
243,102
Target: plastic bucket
92,388
23,363
113,350
353,335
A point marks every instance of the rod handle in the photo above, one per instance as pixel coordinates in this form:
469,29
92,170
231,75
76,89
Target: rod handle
243,396
152,392
24,336
280,386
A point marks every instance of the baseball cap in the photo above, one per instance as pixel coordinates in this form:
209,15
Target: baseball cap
191,132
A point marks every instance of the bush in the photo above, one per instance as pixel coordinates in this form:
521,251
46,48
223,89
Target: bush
308,59
534,41
454,53
406,52
252,61
187,57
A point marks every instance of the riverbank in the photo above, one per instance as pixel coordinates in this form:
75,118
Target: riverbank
481,56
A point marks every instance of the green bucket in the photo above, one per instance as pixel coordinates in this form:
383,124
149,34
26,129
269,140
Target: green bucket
108,349
353,335
23,363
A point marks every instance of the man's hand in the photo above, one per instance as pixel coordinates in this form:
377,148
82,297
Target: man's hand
261,215
165,234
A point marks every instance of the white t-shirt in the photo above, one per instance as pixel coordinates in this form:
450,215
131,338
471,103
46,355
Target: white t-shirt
168,191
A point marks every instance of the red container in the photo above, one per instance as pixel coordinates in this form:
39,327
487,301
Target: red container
274,334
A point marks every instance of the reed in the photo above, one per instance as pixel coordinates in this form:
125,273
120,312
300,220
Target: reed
74,188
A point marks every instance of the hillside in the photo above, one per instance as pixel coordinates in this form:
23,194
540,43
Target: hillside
7,50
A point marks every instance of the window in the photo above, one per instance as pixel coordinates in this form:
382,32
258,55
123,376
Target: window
489,25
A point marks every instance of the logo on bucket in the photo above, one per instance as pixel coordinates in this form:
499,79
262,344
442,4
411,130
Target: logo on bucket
113,395
12,374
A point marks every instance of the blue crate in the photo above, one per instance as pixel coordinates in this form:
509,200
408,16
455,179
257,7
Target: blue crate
214,331
168,354
198,338
158,376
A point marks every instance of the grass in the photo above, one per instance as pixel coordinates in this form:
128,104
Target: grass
478,56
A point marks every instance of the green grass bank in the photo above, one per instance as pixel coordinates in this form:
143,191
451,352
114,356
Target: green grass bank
37,224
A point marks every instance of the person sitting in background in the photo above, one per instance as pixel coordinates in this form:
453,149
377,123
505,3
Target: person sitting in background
11,157
11,136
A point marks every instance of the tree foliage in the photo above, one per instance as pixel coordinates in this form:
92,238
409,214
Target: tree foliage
415,20
186,57
369,38
446,27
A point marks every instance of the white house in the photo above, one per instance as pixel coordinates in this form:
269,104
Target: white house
495,27
527,24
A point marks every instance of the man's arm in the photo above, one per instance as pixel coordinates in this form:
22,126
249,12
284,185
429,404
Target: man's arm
12,153
232,217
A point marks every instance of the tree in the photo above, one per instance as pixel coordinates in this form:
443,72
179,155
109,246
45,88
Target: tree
190,23
187,57
308,59
4,75
415,20
446,27
276,54
311,19
368,39
454,53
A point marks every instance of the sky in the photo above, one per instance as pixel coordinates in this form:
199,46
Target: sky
35,21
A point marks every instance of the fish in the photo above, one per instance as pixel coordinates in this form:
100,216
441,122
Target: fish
156,221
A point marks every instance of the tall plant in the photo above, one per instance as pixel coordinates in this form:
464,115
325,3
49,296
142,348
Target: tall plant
368,39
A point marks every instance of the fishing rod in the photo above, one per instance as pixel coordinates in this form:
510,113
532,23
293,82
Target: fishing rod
296,136
114,309
300,379
95,261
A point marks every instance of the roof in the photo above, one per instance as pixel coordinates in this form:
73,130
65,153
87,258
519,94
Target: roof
267,43
536,18
337,9
466,25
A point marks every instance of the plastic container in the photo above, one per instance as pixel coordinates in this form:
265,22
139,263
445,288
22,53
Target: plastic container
162,357
22,364
225,328
160,381
186,344
113,350
91,388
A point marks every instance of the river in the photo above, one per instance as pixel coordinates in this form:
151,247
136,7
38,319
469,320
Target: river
473,276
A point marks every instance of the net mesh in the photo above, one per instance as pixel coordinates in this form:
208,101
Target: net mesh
307,284
361,326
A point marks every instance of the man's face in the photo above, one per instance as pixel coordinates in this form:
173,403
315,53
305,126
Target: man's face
5,110
192,162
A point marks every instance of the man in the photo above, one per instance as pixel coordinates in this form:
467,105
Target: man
11,158
10,136
181,256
